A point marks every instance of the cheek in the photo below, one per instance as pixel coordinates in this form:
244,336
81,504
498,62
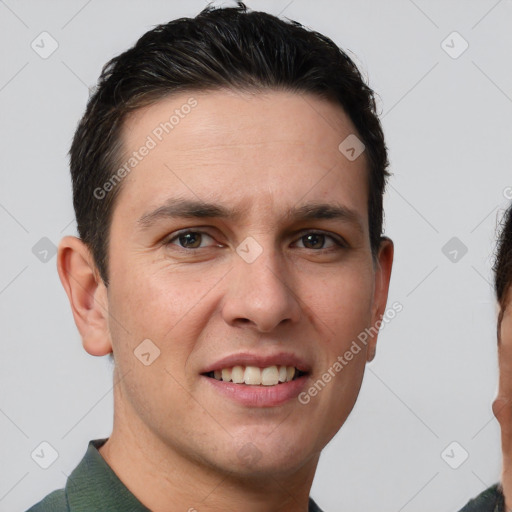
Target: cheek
343,303
165,306
147,307
157,300
343,313
506,328
505,346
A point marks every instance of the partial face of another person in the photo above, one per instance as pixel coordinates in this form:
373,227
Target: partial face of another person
502,405
265,271
505,334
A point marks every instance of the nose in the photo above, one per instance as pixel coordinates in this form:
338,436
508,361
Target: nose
259,294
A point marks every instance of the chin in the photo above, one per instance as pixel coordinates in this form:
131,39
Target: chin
267,467
260,455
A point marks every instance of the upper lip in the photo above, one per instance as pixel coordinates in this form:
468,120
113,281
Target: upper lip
259,360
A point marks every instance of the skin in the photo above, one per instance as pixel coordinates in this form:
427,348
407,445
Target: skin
175,442
502,405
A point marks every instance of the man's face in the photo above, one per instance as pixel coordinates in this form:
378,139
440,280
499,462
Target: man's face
504,414
505,346
506,322
261,283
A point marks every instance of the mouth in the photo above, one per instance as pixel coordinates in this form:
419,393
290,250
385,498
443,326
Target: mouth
258,379
275,375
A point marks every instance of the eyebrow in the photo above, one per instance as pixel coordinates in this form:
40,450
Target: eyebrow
192,209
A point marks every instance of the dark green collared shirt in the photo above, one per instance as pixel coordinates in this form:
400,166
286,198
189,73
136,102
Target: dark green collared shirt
491,500
94,487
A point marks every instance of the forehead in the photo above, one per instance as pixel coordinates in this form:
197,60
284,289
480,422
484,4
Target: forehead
248,148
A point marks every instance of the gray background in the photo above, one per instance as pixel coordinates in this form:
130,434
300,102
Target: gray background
448,127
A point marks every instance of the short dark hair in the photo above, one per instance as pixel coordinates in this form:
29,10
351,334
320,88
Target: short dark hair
221,48
503,262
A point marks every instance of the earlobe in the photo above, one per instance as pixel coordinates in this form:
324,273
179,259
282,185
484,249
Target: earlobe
370,354
86,293
384,265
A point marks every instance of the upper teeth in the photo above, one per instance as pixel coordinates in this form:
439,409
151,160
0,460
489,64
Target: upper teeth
269,376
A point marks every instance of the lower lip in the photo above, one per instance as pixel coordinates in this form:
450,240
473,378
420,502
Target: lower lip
259,396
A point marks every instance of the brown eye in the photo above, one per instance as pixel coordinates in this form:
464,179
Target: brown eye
188,239
314,240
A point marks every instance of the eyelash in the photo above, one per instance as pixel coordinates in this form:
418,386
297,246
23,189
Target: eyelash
340,243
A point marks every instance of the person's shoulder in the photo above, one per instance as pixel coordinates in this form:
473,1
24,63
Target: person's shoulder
54,502
313,507
491,500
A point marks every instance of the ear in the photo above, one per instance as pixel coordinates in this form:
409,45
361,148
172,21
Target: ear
383,265
87,294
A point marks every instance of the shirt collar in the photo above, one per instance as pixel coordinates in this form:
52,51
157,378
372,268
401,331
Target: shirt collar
94,486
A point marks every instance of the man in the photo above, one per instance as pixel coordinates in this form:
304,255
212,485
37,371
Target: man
228,177
498,498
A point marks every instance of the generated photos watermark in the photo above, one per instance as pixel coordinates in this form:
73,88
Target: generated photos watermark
152,140
343,360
